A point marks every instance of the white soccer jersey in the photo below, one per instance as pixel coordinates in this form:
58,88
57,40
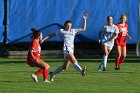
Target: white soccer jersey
108,34
68,38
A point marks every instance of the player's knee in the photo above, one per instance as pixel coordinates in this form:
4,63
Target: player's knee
64,67
47,66
74,61
106,54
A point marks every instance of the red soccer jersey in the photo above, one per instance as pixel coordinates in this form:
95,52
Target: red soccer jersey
123,30
121,39
36,51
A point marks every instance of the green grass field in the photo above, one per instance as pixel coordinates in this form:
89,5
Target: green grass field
15,77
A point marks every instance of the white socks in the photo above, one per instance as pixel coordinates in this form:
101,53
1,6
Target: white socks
58,70
77,67
104,61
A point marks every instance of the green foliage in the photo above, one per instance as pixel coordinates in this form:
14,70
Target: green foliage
15,78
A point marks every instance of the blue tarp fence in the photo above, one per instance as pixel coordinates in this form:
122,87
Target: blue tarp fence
1,20
25,14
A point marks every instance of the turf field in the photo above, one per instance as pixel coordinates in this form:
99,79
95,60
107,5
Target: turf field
15,78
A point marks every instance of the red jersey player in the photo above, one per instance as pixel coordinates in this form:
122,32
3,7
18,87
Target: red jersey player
33,58
121,41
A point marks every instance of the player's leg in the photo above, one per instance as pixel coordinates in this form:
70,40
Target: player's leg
66,64
106,51
74,62
100,66
76,65
32,64
117,60
60,69
123,54
43,69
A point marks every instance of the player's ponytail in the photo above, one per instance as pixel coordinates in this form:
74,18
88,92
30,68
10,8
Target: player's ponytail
35,33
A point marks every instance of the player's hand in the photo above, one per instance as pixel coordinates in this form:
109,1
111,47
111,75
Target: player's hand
85,16
129,38
112,40
45,39
99,41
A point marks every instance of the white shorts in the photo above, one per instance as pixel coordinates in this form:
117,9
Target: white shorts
110,47
67,50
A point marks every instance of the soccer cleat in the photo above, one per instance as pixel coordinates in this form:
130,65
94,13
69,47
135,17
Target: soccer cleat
46,81
99,69
34,77
84,70
51,76
104,69
117,68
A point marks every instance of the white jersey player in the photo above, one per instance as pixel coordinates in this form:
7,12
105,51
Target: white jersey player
68,38
68,35
107,35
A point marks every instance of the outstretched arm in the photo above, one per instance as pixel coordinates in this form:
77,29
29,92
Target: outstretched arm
129,37
49,36
84,23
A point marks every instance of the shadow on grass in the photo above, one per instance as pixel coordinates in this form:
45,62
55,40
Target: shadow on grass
12,62
11,81
96,60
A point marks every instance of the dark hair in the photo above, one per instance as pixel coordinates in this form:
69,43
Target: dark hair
35,33
109,17
66,22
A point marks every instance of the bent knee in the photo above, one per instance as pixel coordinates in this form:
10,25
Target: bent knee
47,66
64,67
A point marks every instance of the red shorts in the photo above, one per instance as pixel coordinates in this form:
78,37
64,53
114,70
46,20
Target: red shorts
30,61
119,42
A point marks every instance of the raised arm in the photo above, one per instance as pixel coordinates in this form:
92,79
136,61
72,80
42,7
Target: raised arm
84,22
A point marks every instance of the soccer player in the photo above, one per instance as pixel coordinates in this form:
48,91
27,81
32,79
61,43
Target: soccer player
107,35
120,42
68,35
33,58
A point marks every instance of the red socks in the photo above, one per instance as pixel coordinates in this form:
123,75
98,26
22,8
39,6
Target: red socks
44,71
121,60
117,61
39,72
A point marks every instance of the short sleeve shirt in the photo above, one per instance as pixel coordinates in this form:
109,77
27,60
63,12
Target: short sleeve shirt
36,48
108,34
68,37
